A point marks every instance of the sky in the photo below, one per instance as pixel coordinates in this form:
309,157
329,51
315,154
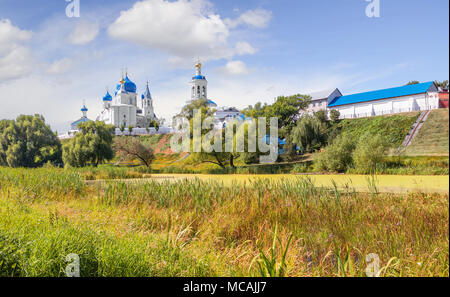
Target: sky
252,50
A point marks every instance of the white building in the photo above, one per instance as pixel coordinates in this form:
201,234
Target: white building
226,113
125,109
320,100
199,87
408,98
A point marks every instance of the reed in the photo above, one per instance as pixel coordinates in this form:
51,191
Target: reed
263,227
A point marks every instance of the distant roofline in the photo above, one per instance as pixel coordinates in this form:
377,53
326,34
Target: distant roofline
431,83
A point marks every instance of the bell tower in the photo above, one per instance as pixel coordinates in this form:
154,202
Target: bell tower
199,84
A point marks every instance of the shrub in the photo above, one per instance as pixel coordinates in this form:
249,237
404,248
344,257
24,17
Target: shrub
337,156
335,115
369,152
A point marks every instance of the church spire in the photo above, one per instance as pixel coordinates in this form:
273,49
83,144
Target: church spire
147,94
84,109
198,67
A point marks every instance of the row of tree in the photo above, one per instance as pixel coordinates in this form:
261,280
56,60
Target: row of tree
307,133
28,142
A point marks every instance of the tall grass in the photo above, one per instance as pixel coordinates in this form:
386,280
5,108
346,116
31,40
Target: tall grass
204,228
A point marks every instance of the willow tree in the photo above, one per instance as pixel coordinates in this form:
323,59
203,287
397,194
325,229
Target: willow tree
91,146
28,142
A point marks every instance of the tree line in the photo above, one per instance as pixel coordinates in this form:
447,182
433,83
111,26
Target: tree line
28,142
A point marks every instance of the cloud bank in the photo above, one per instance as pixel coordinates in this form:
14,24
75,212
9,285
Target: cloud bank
16,59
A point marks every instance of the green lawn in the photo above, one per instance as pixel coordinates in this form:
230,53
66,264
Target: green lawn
394,127
433,138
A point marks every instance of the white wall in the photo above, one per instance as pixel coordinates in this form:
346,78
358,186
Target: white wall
389,106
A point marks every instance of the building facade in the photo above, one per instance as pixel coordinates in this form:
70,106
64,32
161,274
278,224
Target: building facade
124,109
320,100
408,98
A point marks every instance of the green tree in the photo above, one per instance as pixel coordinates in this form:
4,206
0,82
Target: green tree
287,110
413,82
28,142
131,148
321,115
335,115
154,124
216,157
309,134
370,151
130,129
92,145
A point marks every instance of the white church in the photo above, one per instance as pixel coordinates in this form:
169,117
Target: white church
125,109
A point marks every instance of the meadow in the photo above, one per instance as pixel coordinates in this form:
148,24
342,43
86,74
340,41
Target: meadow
195,227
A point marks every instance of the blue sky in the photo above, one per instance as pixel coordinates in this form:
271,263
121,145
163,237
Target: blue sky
251,50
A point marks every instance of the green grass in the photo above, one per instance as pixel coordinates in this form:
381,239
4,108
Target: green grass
204,228
433,137
394,127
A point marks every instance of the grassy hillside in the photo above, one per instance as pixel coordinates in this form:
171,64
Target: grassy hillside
432,138
395,127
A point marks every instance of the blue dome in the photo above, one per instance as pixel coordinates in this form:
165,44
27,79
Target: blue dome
210,102
199,77
84,108
128,84
107,97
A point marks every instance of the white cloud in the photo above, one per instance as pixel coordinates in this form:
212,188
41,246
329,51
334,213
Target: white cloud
244,48
184,29
258,18
60,66
15,56
235,68
83,33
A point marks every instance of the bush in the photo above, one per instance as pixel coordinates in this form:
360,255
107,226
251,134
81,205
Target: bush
337,156
335,115
369,152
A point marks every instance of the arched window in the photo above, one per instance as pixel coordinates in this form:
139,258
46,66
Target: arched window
204,92
198,90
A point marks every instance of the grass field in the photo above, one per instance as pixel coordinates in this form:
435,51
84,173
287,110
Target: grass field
203,228
433,137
